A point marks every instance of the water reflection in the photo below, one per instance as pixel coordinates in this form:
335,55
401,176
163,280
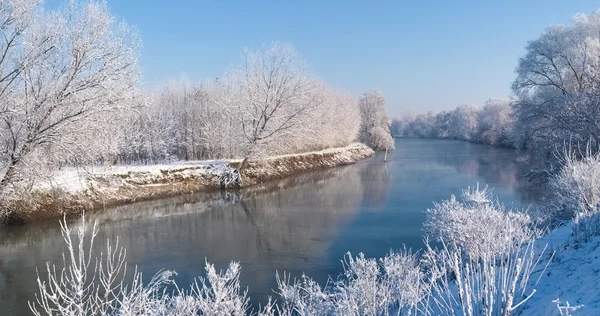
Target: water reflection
496,166
300,224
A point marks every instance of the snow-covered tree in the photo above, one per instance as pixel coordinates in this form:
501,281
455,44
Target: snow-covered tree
558,86
272,94
375,127
463,122
67,75
269,104
495,123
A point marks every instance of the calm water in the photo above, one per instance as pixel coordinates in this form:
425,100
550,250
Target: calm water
303,224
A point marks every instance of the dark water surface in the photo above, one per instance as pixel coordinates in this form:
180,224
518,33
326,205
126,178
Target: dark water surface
301,224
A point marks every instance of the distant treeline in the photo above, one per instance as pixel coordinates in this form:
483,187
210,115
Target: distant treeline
491,124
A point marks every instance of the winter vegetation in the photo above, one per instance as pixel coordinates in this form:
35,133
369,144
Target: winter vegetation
491,124
268,104
71,98
76,128
459,222
375,125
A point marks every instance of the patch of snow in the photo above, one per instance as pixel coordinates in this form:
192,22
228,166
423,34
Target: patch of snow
573,276
108,179
75,180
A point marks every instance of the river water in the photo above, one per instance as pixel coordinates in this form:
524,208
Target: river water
303,224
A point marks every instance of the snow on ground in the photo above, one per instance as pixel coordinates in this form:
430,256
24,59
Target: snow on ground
572,276
75,180
335,150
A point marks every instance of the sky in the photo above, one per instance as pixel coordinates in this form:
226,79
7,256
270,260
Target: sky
421,55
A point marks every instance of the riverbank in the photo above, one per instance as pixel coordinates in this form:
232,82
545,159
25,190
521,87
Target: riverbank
571,277
73,190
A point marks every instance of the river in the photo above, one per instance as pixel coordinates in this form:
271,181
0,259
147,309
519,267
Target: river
303,224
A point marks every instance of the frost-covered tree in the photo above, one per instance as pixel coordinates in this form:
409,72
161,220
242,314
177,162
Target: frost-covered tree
557,86
269,104
66,75
375,126
423,125
272,94
462,122
334,123
495,123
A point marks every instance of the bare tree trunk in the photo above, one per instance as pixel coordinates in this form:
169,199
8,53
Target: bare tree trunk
242,164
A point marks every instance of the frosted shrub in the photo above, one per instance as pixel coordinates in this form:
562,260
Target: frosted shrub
577,191
477,225
490,285
217,294
392,286
486,259
88,285
585,226
577,186
84,285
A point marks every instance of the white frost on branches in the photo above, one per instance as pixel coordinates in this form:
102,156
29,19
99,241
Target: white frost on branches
64,77
478,225
375,126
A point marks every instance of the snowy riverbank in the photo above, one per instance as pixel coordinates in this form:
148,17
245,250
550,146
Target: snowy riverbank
572,276
72,190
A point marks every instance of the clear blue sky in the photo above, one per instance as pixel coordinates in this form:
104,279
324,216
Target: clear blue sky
422,55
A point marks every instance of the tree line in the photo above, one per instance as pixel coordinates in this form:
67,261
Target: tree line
491,124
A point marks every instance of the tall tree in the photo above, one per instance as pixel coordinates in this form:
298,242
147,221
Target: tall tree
272,97
65,76
558,86
375,126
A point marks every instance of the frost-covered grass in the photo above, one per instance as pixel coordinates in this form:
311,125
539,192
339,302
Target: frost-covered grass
577,186
85,285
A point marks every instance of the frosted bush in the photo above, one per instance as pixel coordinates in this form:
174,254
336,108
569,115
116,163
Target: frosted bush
477,225
577,186
576,191
585,226
88,285
490,285
392,286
